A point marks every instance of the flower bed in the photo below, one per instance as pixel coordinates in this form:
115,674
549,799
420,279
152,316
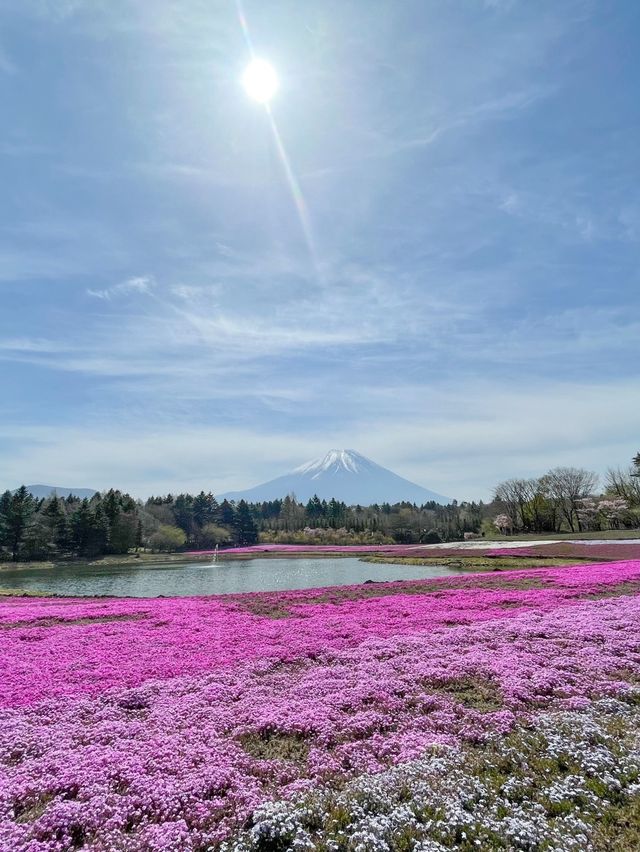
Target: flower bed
573,781
163,724
573,550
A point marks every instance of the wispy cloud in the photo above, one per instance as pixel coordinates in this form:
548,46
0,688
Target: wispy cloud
490,110
137,284
37,345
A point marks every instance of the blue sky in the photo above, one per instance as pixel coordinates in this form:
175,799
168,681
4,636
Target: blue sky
470,308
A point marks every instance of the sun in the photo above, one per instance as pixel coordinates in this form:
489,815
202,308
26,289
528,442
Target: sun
260,80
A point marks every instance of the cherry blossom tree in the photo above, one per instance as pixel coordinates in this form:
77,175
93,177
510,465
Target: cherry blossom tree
503,524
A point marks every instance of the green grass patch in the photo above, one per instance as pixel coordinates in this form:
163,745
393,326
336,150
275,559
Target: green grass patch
32,810
22,593
619,829
70,622
276,745
476,693
626,674
629,587
476,564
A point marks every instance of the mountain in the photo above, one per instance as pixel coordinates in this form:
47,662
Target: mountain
345,475
40,491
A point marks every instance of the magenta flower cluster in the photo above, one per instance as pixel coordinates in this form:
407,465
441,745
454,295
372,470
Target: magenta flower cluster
162,724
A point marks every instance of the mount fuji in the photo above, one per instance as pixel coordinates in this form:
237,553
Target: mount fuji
345,475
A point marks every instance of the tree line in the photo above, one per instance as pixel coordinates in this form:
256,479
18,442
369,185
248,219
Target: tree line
115,523
564,499
333,522
32,528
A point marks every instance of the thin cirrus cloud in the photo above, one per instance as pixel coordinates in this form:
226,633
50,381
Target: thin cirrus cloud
137,284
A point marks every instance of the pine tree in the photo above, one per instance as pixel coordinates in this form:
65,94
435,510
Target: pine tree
5,512
245,525
17,513
205,509
183,512
89,529
314,508
227,514
57,522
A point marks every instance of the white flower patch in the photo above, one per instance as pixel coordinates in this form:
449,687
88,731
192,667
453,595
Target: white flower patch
563,770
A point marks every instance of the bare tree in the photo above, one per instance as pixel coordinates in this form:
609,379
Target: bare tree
568,487
512,494
625,485
522,503
614,512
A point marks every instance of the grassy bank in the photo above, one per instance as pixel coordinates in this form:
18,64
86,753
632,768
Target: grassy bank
133,559
22,593
475,563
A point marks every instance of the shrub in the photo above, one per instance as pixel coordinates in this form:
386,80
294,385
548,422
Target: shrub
167,538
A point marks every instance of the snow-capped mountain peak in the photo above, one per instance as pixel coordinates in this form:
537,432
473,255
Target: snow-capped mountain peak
333,462
345,475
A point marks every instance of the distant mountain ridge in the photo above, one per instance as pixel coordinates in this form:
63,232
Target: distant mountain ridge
40,491
344,474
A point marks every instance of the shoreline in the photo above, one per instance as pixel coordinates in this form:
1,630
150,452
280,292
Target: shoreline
453,554
482,563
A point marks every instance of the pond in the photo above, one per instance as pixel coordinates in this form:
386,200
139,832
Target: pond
210,578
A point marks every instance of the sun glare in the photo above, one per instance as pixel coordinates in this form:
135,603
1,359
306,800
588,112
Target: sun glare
260,80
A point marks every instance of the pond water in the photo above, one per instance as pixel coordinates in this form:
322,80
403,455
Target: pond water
206,578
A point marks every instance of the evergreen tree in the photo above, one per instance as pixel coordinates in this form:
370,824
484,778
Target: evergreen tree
183,512
111,504
314,509
16,513
245,525
57,522
334,512
5,512
89,529
227,514
123,532
205,509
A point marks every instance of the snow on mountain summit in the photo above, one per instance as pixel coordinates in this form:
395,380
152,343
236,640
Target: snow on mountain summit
335,461
344,474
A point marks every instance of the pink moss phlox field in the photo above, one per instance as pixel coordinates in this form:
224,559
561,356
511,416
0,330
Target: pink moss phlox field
161,724
571,550
45,654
